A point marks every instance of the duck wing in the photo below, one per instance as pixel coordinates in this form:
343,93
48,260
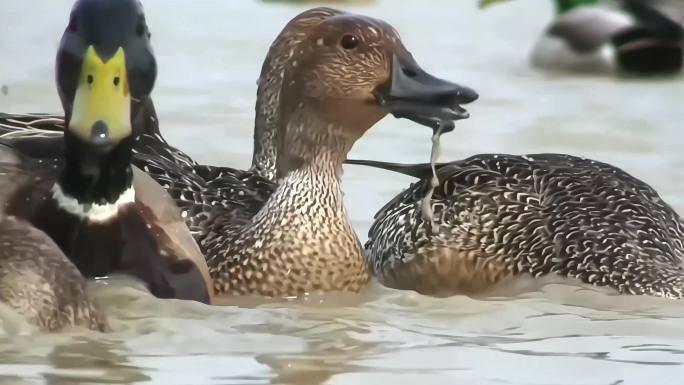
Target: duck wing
178,248
35,123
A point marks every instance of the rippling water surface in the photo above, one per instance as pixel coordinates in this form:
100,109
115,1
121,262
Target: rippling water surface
209,55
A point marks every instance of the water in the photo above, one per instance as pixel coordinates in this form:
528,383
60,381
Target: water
209,55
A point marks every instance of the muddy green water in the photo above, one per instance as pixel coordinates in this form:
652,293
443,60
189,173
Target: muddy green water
209,55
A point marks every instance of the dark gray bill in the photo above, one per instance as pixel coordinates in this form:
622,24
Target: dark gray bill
416,95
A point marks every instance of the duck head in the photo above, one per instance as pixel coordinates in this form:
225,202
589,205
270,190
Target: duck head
355,70
270,82
105,69
349,73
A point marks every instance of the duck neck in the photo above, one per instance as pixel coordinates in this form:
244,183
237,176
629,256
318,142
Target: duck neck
312,142
315,185
309,193
92,182
265,153
563,6
311,157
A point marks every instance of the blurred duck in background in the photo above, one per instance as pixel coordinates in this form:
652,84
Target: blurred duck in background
635,37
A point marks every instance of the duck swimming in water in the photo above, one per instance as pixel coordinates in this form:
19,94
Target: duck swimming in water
301,240
640,37
106,216
501,217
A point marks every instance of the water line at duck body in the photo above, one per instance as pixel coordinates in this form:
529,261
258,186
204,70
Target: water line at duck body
426,207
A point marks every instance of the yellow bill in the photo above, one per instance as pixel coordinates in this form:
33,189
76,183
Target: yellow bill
101,113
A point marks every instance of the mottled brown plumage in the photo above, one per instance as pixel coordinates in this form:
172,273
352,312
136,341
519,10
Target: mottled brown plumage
499,216
36,279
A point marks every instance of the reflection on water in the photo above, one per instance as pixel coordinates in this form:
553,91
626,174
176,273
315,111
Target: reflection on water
209,55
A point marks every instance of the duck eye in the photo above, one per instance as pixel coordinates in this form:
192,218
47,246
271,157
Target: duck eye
349,41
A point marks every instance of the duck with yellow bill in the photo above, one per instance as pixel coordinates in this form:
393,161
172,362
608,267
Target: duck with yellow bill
106,216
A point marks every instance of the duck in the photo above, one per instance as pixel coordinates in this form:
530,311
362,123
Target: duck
500,219
37,280
627,37
301,241
106,216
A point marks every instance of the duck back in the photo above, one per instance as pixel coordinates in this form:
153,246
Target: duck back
503,216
